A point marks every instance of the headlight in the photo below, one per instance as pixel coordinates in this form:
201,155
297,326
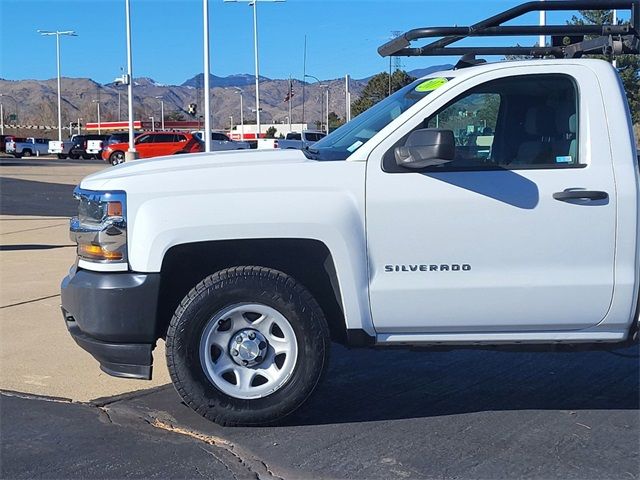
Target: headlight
100,229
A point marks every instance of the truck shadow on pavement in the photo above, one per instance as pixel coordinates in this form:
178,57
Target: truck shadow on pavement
366,386
32,198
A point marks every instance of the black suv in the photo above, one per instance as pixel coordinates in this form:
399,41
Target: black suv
79,146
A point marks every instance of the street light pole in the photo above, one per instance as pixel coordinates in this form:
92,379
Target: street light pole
347,99
15,104
131,154
207,70
254,4
1,119
159,97
153,123
614,21
322,115
97,102
326,110
239,90
57,33
542,41
255,51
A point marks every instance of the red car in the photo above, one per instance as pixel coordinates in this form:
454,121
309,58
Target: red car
154,144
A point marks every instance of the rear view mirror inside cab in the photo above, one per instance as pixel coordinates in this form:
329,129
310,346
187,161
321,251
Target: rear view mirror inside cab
426,147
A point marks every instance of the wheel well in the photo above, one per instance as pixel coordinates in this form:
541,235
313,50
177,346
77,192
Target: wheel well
308,261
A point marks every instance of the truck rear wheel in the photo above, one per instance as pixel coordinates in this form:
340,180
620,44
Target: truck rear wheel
26,152
62,156
247,346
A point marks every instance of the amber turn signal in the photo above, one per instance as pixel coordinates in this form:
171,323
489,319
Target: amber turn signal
96,252
114,209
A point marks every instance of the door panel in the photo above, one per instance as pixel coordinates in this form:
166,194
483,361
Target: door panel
493,250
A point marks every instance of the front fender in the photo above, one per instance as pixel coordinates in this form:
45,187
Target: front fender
329,208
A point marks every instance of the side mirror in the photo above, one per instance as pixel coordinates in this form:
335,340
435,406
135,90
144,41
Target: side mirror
426,147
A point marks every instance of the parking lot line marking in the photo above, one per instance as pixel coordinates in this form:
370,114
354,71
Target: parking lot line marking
29,301
32,229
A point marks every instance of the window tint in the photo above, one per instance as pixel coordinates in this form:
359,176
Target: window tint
314,137
219,137
294,136
180,138
145,139
164,138
515,123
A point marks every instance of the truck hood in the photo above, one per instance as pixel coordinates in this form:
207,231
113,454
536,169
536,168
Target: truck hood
198,164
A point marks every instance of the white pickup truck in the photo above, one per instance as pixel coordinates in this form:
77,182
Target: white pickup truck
61,148
295,140
30,146
397,229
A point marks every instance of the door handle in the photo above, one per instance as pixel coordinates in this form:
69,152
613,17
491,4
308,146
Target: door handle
569,195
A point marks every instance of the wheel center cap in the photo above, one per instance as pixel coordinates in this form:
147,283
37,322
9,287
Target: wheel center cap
248,347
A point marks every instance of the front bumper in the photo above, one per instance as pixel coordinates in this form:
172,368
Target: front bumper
113,317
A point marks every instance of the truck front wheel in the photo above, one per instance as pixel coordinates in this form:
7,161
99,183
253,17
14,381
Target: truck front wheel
247,346
116,157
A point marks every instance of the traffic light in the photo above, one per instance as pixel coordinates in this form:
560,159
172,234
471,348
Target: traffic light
192,109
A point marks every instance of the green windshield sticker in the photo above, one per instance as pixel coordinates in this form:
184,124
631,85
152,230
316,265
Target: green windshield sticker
431,84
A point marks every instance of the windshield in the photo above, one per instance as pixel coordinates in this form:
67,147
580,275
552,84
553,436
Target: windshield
342,142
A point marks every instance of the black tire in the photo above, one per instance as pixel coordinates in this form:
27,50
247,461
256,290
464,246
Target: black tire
74,156
86,156
17,155
248,284
26,152
116,157
62,156
97,156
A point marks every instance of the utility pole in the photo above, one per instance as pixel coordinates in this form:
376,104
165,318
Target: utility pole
1,119
57,33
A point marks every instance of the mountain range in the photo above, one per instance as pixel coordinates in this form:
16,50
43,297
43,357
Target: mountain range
35,101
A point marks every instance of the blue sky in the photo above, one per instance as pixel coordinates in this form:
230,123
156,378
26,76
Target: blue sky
342,36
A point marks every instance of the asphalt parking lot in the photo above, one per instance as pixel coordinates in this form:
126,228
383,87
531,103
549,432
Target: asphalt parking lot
378,414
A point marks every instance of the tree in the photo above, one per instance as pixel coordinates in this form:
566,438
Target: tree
334,121
271,132
628,65
175,116
378,88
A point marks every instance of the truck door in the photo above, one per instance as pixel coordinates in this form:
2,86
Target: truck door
517,233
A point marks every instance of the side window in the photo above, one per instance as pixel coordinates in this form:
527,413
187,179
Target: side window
145,139
473,120
180,138
164,138
520,122
219,137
